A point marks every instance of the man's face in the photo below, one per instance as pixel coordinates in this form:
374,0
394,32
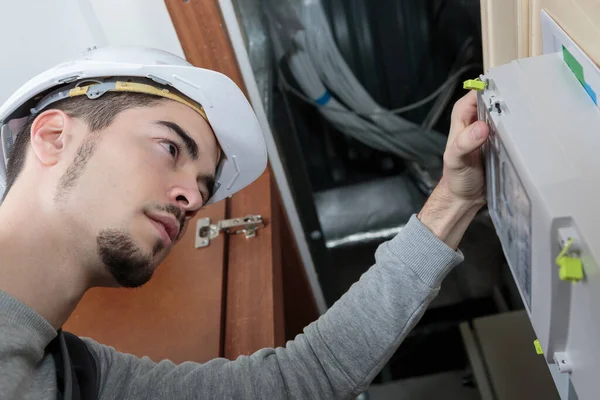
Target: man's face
132,187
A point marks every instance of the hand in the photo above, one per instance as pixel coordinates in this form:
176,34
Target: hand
463,176
461,191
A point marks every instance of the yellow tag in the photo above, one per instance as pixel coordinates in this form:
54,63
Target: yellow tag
571,268
538,347
474,84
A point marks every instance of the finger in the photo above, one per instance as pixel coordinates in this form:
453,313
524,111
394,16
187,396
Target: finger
471,138
465,107
464,113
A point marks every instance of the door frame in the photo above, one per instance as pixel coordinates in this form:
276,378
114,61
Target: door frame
253,298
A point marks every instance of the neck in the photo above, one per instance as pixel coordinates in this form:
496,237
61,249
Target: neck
39,267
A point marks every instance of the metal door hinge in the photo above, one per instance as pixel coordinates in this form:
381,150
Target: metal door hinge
205,231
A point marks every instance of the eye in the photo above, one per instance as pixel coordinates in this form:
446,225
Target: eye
172,148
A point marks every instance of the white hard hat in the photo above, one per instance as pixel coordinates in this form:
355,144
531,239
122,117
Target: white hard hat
218,99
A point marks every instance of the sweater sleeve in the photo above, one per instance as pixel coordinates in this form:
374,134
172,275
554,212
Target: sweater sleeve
336,357
24,334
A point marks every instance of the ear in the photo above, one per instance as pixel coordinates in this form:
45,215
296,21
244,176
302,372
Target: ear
47,136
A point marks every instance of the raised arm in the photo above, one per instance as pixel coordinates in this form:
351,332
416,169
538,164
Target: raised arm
338,355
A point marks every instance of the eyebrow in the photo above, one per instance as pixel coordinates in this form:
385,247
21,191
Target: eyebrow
190,144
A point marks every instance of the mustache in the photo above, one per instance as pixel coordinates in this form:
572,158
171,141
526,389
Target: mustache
174,211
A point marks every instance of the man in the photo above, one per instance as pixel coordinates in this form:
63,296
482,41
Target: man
111,175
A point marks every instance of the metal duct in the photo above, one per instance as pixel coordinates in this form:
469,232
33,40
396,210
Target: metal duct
366,212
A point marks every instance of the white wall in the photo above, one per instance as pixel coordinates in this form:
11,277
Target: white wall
37,34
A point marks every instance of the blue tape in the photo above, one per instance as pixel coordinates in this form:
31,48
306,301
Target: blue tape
323,99
591,92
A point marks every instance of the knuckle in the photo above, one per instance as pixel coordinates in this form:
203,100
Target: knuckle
449,159
459,145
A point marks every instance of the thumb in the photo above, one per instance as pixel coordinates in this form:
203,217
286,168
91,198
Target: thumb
465,143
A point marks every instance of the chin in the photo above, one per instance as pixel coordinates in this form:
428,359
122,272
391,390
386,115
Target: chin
126,260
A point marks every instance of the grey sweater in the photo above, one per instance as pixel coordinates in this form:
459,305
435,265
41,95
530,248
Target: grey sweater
336,357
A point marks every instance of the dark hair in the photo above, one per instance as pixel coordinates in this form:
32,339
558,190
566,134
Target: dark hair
98,114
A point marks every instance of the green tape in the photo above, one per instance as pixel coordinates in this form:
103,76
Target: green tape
574,65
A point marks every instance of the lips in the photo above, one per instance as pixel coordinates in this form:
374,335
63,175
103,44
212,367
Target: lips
167,224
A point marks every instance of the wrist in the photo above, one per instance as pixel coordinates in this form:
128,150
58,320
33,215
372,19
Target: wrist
449,216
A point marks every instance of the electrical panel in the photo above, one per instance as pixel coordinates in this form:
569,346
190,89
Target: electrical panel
542,163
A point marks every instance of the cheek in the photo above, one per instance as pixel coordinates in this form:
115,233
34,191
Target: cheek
112,187
123,179
137,173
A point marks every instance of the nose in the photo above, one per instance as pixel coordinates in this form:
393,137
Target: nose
188,199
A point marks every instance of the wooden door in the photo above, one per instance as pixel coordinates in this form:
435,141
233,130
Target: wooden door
504,31
221,301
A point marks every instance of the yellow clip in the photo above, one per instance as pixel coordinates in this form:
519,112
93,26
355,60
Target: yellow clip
474,84
538,347
571,268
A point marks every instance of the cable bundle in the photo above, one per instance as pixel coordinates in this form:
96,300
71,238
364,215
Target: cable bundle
318,67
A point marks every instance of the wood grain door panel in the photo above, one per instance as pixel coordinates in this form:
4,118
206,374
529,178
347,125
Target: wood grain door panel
254,298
